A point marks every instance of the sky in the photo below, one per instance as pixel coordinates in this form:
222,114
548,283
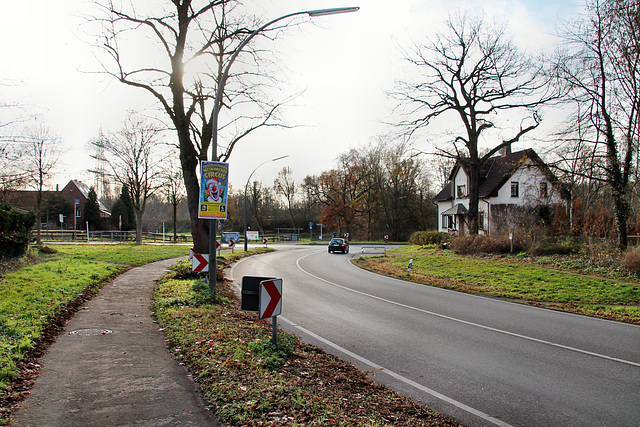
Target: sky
344,65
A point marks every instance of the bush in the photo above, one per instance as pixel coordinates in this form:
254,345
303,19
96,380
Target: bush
565,246
632,259
15,231
488,244
46,250
423,238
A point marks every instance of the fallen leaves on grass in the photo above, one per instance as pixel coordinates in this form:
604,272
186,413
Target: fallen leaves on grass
296,384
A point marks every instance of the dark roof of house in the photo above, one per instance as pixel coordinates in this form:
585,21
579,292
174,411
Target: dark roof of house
26,200
84,189
444,194
458,209
496,171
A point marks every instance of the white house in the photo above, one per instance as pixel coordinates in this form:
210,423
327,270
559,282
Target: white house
511,185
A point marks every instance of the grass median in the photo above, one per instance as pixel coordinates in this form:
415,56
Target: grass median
250,382
545,282
40,291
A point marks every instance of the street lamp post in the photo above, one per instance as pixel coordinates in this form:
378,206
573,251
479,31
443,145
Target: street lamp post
245,195
216,111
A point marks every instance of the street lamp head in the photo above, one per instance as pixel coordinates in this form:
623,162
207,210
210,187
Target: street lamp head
279,158
334,11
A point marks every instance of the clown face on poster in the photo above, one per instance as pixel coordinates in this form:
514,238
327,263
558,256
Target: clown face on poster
214,180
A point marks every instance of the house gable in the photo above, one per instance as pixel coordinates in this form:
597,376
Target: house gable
78,192
519,178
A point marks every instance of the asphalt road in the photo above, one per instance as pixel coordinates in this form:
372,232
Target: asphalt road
479,360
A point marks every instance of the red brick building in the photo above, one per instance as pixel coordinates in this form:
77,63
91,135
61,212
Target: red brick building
77,192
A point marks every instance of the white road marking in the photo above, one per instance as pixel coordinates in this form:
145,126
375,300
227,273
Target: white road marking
399,377
414,384
477,325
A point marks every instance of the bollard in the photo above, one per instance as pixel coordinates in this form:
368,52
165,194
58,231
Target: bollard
409,269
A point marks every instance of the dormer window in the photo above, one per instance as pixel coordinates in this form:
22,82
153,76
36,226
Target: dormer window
462,191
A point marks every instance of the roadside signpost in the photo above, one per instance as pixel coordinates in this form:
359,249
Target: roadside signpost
200,262
264,241
264,296
232,244
270,298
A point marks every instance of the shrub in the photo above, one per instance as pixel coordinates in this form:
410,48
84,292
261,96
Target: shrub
46,250
488,244
632,259
563,246
423,238
183,271
15,231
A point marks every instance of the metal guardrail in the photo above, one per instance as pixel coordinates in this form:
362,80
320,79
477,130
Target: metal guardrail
383,248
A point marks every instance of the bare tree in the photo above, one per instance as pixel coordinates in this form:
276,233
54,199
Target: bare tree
285,186
256,200
39,155
134,162
12,173
186,34
342,191
473,72
174,191
601,68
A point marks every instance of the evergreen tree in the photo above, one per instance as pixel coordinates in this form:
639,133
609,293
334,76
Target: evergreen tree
92,209
55,205
129,213
118,211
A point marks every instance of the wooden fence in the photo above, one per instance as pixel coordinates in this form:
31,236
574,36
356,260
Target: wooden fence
107,236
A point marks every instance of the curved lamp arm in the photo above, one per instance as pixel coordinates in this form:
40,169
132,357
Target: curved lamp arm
245,195
225,73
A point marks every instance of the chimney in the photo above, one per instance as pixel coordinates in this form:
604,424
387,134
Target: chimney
57,188
506,150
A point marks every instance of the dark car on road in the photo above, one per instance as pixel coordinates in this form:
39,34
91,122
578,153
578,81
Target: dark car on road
339,245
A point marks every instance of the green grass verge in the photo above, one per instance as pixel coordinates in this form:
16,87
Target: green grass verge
126,253
250,382
616,298
33,297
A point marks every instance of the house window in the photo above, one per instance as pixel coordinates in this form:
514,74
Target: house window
447,222
462,191
78,213
515,189
543,190
481,221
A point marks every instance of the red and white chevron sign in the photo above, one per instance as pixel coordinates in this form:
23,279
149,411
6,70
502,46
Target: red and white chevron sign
270,298
200,262
264,241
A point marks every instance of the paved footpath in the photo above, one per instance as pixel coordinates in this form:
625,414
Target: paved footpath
110,366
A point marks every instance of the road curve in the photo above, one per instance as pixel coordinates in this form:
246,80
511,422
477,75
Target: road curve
479,360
